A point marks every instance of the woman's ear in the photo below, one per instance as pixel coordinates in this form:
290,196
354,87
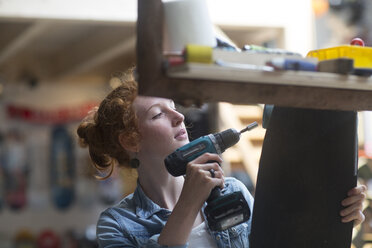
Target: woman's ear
128,143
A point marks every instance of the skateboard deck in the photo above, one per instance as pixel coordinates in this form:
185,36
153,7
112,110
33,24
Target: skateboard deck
308,164
15,170
62,168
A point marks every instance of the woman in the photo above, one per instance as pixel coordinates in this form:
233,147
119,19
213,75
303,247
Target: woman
140,131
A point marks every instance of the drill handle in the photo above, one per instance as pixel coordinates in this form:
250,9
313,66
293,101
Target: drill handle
216,191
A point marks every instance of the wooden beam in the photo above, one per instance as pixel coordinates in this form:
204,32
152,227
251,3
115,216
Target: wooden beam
195,91
297,89
149,44
291,78
99,59
23,40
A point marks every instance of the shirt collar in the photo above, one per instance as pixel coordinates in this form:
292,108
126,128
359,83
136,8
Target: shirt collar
145,207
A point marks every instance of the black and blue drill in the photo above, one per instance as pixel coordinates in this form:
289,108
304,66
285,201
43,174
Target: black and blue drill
222,211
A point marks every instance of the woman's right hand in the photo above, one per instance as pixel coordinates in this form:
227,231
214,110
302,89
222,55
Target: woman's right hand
196,189
199,181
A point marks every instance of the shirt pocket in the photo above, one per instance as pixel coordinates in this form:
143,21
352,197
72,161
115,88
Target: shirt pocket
239,236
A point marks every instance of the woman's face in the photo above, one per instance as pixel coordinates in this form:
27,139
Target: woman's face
160,125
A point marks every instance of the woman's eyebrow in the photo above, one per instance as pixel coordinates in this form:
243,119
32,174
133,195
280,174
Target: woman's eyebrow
155,105
159,105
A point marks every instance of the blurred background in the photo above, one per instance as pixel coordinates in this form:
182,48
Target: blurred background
57,60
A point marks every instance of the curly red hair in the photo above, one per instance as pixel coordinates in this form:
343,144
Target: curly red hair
101,129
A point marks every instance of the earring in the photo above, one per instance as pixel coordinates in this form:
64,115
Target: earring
134,163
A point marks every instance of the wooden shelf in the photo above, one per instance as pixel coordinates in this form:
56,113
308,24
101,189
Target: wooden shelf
205,83
289,78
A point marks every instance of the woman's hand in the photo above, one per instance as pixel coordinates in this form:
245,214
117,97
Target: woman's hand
354,205
199,181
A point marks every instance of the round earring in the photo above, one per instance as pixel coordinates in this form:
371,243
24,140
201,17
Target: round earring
134,163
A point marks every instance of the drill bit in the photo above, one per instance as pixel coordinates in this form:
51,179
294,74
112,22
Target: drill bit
249,127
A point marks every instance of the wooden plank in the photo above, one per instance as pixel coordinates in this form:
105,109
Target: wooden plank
149,45
298,89
197,84
308,164
190,91
291,78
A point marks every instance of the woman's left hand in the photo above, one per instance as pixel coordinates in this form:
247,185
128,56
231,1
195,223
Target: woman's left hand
354,205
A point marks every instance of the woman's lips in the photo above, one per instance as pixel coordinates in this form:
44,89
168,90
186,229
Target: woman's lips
181,135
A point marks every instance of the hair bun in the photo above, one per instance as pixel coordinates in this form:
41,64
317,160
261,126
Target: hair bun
82,132
86,127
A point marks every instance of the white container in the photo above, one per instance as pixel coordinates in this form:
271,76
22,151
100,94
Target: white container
187,22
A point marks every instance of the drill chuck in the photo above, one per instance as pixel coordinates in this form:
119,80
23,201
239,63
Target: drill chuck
226,139
230,137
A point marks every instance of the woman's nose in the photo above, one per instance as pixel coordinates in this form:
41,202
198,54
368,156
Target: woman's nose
178,118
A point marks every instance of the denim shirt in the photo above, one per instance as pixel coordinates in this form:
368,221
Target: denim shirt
137,222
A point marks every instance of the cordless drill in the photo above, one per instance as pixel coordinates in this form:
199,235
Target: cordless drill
222,211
